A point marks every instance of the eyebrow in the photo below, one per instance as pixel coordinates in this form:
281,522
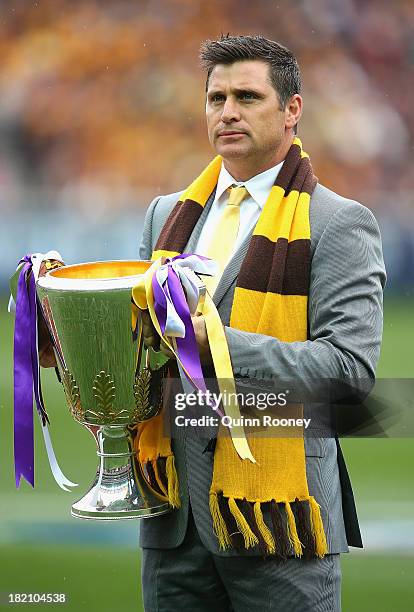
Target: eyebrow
237,91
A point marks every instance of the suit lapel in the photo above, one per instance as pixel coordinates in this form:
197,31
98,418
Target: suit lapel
231,271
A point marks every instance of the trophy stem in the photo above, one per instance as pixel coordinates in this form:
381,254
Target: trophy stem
119,490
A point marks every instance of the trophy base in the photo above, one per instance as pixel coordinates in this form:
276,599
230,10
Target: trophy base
83,510
119,490
117,497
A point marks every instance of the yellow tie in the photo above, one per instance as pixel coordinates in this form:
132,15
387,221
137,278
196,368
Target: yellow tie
224,238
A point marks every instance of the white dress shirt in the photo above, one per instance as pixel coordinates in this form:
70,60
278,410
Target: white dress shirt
258,187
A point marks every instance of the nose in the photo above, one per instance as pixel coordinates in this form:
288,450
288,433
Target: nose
230,111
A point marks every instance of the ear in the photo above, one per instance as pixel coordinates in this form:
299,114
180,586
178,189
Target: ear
293,111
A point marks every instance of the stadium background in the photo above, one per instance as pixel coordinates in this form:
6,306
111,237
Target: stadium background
101,109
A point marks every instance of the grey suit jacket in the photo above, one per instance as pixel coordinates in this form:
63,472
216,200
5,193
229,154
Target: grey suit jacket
345,330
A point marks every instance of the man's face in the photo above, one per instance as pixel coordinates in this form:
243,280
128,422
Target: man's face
244,117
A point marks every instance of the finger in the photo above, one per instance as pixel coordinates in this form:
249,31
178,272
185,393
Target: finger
165,350
147,322
49,264
152,340
151,337
149,330
47,358
145,316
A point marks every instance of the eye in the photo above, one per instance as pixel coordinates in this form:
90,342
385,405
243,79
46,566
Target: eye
248,95
214,98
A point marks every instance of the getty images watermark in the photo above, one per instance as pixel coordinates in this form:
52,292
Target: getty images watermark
216,402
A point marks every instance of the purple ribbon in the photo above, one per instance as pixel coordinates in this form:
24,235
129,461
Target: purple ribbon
187,346
26,374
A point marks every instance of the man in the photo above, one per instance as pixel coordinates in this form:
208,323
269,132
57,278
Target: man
299,294
253,106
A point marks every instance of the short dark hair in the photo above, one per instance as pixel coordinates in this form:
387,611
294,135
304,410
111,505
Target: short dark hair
284,69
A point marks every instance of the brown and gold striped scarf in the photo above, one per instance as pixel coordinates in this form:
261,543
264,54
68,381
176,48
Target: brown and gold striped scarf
271,298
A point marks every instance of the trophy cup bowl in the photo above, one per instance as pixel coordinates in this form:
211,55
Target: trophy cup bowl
111,381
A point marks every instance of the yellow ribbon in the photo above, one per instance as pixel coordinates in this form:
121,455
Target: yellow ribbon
224,374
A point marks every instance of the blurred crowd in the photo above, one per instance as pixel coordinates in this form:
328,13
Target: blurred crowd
102,102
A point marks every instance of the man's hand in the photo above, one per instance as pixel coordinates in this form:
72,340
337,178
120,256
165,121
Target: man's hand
47,358
200,331
151,337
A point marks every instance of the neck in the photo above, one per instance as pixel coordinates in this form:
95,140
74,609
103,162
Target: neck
243,169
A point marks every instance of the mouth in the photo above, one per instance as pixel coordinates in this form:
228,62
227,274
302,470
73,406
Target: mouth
230,134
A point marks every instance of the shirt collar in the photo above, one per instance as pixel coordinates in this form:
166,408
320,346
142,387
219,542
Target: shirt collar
258,186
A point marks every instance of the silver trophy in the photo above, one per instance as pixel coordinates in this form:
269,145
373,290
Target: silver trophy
111,381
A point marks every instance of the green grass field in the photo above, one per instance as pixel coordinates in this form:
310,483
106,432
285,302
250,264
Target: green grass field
42,549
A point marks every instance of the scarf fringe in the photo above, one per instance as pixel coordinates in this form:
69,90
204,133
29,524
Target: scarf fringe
280,531
172,479
292,531
301,510
250,539
161,475
158,478
264,529
219,524
282,538
318,531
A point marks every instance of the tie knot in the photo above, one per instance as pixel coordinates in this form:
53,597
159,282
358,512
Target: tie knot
237,195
